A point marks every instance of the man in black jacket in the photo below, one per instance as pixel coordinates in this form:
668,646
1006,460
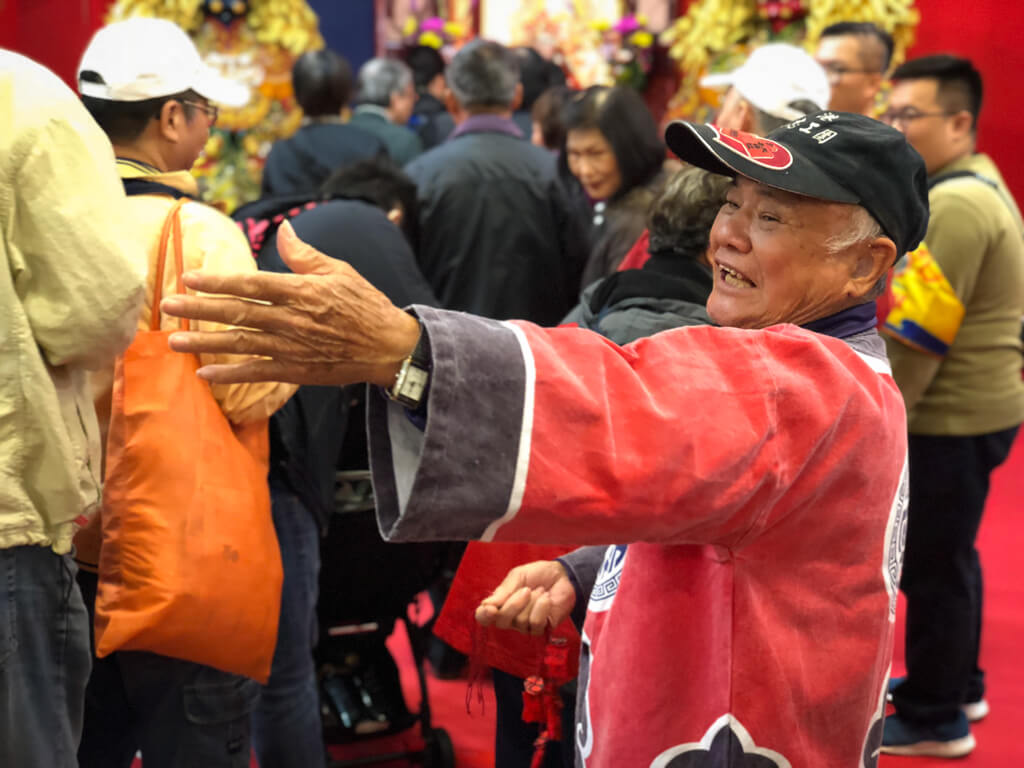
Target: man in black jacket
496,236
322,81
430,118
361,216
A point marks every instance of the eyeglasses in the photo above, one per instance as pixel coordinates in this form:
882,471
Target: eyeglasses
906,116
211,110
836,71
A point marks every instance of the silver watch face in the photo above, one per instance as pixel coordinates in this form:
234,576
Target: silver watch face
410,384
415,384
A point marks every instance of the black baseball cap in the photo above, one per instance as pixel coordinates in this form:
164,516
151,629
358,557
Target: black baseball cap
836,156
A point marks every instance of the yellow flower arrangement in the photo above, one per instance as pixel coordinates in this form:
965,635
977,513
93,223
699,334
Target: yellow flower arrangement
431,39
641,39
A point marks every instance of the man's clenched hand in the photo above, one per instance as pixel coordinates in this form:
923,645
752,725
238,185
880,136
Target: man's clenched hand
532,598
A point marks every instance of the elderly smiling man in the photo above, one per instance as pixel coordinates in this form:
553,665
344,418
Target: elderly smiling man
757,470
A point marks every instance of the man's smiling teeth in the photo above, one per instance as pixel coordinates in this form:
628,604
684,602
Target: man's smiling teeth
732,277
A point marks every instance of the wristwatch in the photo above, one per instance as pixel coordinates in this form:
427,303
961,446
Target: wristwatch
410,385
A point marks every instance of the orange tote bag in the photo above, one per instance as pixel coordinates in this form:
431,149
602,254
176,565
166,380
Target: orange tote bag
190,565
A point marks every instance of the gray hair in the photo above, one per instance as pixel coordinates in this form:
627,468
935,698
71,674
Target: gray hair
484,74
862,227
379,78
680,218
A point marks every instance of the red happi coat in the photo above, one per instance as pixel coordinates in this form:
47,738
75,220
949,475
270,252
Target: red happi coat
759,480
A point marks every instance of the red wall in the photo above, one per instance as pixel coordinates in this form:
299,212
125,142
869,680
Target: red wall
53,32
991,34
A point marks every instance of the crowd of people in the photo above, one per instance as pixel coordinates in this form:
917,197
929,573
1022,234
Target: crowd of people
701,398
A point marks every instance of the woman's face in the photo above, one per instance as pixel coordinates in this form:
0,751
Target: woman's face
592,161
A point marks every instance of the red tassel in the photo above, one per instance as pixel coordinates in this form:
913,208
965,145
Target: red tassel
533,700
477,669
538,752
541,700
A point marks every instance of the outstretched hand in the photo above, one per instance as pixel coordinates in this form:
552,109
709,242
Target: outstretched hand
323,324
532,598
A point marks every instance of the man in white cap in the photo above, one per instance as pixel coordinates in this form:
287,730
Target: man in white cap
145,84
776,84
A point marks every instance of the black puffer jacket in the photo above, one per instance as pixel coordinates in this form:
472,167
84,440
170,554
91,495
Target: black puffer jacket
669,292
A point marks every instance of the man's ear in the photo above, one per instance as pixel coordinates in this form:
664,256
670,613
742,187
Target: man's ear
746,117
872,259
874,84
963,122
172,120
517,100
453,106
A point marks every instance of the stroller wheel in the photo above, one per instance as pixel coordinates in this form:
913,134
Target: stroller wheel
439,752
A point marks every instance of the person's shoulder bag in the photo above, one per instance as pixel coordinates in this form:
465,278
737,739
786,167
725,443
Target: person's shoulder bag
190,565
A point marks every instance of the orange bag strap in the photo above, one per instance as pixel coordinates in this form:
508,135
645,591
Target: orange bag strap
171,232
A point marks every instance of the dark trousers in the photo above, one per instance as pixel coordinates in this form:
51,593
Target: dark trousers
949,481
44,658
514,739
179,714
287,731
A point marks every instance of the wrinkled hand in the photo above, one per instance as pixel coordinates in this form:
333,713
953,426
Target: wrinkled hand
531,598
324,324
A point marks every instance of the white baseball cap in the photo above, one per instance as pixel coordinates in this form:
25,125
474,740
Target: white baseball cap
774,76
144,58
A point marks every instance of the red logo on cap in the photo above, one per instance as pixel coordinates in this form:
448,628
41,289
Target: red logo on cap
756,149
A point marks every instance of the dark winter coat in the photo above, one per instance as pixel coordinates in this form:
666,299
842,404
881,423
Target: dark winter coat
496,236
300,164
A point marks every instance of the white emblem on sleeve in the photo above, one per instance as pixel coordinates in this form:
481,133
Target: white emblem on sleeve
896,540
607,583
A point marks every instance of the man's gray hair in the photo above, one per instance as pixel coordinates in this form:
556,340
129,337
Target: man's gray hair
862,226
484,74
379,78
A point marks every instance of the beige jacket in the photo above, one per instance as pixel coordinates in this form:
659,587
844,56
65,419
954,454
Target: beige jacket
70,291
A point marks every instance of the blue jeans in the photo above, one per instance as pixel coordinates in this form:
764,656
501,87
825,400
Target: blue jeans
180,714
44,658
287,730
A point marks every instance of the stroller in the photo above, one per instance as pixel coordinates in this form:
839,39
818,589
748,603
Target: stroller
366,585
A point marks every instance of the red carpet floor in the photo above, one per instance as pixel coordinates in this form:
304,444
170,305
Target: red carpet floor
1000,744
